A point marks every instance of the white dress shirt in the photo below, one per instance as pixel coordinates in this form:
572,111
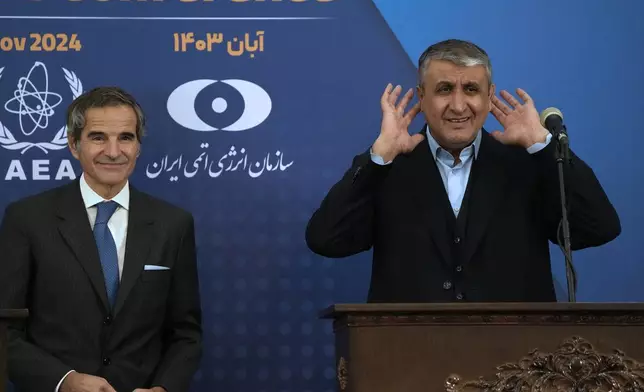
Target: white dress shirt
117,223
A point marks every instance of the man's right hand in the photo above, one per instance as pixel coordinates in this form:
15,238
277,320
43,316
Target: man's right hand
79,382
394,134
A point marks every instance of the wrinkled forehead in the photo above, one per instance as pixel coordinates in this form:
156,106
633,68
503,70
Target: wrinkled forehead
445,72
113,119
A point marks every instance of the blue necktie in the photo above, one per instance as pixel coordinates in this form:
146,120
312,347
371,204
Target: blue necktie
107,248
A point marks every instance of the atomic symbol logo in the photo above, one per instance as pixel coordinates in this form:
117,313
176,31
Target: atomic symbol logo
34,104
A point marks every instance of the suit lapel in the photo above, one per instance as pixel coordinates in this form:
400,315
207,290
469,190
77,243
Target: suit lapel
488,181
140,235
75,229
430,196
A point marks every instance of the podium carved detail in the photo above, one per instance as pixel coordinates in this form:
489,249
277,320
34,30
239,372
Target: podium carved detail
342,374
574,366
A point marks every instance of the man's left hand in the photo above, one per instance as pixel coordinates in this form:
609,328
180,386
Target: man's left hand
521,125
155,389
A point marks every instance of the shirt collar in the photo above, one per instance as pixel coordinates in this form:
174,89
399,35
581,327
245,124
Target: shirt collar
435,147
91,198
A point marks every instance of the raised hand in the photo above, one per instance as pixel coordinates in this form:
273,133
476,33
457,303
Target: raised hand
394,135
520,122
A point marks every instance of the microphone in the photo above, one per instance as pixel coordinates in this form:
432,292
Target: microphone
552,119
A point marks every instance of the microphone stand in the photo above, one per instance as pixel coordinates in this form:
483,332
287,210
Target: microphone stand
563,157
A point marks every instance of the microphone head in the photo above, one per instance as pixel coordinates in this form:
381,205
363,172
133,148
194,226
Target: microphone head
547,113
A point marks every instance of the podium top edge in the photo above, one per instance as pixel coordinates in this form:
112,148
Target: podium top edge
338,310
13,314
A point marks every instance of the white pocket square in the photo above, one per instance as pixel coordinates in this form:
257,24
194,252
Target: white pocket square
150,267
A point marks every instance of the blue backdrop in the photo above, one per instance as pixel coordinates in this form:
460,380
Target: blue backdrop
286,93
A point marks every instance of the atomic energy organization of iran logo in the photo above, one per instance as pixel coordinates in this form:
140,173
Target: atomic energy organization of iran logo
34,104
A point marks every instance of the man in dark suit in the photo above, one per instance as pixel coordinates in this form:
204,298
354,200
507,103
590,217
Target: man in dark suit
454,213
107,272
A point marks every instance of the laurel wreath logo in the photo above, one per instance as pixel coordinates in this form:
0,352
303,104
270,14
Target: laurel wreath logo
59,141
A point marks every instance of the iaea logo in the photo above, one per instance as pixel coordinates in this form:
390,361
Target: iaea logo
33,103
181,105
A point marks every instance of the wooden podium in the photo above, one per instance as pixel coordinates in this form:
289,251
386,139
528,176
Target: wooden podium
459,347
6,317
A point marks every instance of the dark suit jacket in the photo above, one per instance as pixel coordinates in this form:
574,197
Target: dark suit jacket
513,210
50,265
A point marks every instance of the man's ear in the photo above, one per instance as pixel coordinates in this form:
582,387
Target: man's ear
490,95
420,92
73,145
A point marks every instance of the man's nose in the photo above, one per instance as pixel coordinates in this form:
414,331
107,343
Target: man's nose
112,149
458,103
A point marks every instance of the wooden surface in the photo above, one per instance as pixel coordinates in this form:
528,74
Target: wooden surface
440,347
483,307
7,314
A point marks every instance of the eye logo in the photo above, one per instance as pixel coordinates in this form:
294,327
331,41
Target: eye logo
181,105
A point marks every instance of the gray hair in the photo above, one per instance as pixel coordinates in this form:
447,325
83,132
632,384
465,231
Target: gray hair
100,97
459,52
